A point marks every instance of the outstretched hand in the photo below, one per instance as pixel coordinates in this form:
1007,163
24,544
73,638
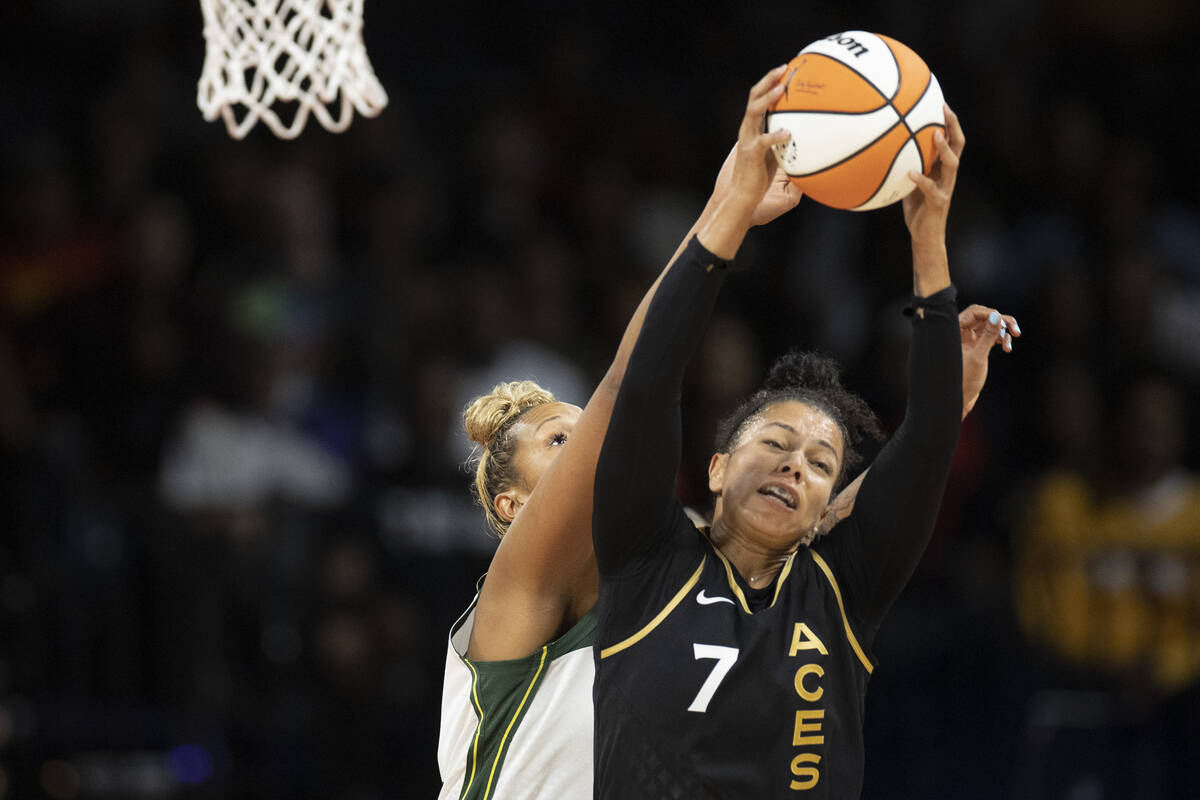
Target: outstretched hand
981,328
781,196
739,200
926,208
754,163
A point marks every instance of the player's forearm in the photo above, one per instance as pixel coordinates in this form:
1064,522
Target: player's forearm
931,266
550,542
635,475
727,222
934,409
611,382
898,505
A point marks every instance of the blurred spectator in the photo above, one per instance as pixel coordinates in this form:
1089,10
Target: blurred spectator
1108,575
242,446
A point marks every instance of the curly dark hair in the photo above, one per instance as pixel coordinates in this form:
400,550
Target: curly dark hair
814,380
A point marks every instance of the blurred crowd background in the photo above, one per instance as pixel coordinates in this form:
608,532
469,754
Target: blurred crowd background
234,521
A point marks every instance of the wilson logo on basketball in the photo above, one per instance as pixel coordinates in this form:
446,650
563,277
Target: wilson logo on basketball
849,42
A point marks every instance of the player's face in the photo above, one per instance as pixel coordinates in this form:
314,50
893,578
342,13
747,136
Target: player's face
541,433
780,473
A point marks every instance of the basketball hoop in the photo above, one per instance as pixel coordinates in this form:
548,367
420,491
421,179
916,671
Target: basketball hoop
308,52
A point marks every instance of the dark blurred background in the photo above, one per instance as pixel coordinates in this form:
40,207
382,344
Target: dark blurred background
234,524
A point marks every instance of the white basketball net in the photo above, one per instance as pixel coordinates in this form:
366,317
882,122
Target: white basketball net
263,52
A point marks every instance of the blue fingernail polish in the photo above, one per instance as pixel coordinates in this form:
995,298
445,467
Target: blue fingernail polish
993,318
1016,328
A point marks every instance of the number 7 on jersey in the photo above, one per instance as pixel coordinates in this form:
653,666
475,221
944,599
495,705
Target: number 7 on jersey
725,657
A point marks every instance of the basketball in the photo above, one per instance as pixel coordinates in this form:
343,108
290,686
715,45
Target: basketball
862,109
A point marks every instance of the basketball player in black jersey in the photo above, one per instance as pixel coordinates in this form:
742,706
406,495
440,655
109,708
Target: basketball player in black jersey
733,662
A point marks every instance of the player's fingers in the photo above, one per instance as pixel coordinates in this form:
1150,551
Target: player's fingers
971,323
1008,329
768,82
989,329
976,314
791,195
972,314
946,155
766,91
752,123
755,109
945,169
958,139
767,141
783,187
927,185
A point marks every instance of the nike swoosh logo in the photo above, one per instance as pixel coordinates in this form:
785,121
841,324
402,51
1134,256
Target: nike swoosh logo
705,600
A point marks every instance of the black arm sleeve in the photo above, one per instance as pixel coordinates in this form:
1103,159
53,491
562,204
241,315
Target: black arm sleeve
634,499
878,547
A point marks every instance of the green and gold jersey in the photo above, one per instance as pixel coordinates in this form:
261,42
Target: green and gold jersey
519,729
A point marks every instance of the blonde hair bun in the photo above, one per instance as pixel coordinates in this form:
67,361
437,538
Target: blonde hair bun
489,414
487,420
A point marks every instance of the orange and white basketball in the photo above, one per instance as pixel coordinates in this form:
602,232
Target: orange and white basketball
862,109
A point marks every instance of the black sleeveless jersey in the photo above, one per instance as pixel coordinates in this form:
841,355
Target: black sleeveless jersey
705,688
721,691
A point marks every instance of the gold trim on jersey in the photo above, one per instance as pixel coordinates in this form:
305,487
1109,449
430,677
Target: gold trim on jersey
858,651
737,590
478,726
487,792
783,573
652,624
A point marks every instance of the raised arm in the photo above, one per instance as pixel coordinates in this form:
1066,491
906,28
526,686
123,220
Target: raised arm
634,487
543,575
980,329
879,547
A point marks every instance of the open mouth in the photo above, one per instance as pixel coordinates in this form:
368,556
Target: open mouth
780,493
